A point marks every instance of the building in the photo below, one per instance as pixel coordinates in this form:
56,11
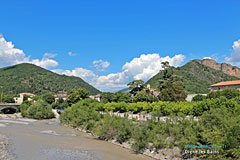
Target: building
226,84
63,96
96,97
153,91
20,99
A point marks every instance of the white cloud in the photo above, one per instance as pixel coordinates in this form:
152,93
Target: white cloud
49,55
45,62
10,56
144,67
148,65
235,56
207,58
101,65
72,54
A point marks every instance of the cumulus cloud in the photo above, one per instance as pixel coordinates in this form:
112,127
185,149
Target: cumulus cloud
45,62
72,54
143,67
148,65
235,56
101,65
9,55
207,58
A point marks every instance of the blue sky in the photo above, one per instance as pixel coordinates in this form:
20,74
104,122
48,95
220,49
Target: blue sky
113,33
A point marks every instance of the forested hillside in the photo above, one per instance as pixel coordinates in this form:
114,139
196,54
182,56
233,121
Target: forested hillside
31,78
197,77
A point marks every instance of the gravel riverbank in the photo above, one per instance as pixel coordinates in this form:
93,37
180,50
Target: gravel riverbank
4,154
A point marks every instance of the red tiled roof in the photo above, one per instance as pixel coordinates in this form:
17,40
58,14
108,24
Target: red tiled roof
226,83
152,89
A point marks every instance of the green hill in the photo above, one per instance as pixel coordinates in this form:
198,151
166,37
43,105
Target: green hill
197,77
31,78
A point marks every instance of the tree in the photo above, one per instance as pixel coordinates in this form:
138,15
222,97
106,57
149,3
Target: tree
171,87
122,97
140,97
199,97
76,95
135,86
40,110
49,98
107,97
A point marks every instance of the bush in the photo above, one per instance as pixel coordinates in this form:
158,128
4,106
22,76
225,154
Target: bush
40,110
24,107
199,97
80,114
229,93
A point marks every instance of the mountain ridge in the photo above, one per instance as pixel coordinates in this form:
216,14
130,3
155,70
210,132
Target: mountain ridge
197,77
28,77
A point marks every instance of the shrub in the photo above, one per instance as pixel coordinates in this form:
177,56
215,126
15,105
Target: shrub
24,107
80,114
40,110
199,97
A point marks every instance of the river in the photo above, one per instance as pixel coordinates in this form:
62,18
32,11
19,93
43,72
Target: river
49,140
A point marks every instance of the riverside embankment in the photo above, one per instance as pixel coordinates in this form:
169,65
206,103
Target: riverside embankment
26,139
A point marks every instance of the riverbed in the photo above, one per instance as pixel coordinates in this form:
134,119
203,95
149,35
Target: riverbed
49,140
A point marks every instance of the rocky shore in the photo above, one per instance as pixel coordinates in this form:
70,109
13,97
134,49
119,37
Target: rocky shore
167,154
4,154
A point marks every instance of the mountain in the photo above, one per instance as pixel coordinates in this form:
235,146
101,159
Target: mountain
224,67
197,76
31,78
125,90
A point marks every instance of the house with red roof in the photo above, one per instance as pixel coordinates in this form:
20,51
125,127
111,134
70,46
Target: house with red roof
226,84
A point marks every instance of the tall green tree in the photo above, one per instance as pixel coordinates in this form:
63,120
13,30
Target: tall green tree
107,97
136,86
49,98
76,95
122,97
171,87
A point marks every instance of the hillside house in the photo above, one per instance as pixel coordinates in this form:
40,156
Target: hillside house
226,84
63,96
20,99
153,91
96,97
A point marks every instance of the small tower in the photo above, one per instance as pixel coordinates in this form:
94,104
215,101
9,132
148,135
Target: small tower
148,86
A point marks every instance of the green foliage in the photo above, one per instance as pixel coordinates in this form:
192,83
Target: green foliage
122,97
140,97
33,79
135,86
24,107
7,98
170,86
40,110
229,93
49,98
196,77
218,123
76,95
113,128
199,97
107,97
80,114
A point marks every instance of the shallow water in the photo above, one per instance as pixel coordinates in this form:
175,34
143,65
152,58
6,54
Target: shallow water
48,140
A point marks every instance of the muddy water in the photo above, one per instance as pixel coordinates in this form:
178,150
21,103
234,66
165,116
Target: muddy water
48,140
